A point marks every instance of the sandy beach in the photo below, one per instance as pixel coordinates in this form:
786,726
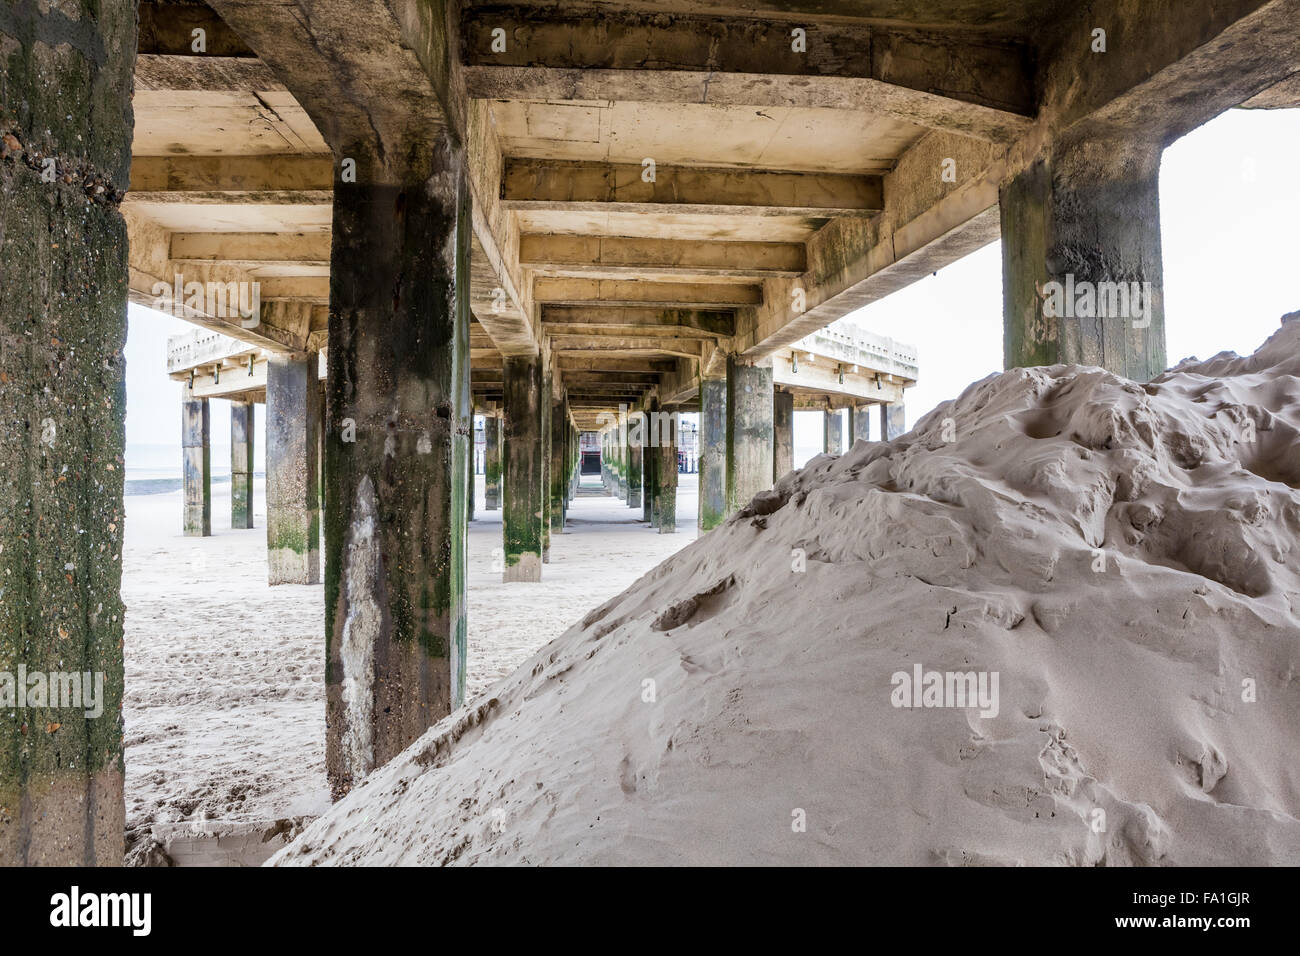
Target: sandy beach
225,712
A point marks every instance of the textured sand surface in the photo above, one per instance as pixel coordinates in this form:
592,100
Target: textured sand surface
225,696
1126,558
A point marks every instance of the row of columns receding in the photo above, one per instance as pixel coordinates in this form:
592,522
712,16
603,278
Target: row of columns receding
395,490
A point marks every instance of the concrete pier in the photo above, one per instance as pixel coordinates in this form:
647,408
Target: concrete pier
749,432
635,454
470,473
1082,275
666,474
492,463
292,470
892,421
65,107
937,129
521,512
833,431
399,431
782,433
859,424
196,464
242,424
713,453
544,451
556,447
651,469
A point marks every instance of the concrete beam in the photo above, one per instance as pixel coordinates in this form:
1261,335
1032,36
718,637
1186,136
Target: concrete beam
660,258
252,249
959,80
711,322
169,29
668,295
530,184
375,101
274,179
605,363
927,224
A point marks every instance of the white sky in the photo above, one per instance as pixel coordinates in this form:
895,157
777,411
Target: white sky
1230,205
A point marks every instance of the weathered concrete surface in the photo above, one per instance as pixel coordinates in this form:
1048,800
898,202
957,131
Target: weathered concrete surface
399,421
196,465
666,477
1087,218
713,453
241,464
292,470
544,451
635,455
651,467
859,423
521,514
833,431
492,463
469,476
893,421
65,107
782,433
555,446
749,432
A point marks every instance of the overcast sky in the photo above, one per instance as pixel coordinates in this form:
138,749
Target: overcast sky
1230,205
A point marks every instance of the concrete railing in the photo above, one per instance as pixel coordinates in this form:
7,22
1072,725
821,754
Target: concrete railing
202,347
868,351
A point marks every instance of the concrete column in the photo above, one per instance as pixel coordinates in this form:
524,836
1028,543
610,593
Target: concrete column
1081,235
470,471
66,98
833,431
651,467
398,418
544,449
241,464
860,423
196,464
623,458
292,497
713,453
634,467
559,426
782,434
666,483
892,421
521,510
492,463
749,432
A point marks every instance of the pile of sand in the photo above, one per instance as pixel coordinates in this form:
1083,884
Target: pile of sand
1124,557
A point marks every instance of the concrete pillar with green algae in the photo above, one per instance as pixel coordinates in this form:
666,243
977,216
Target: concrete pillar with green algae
713,453
749,432
1079,227
782,433
399,421
241,464
521,509
65,106
292,470
196,464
